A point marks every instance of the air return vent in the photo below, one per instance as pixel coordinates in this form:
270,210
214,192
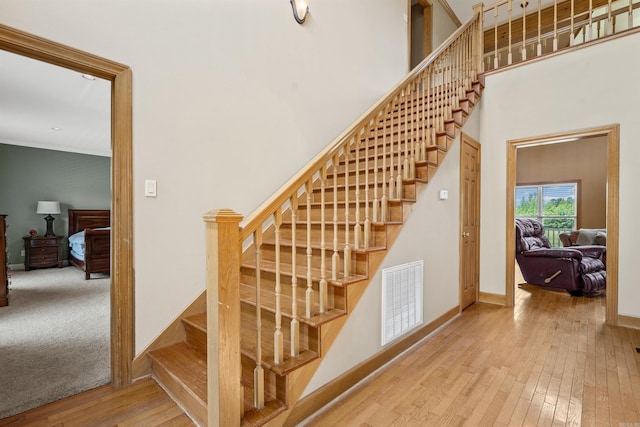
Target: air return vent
401,299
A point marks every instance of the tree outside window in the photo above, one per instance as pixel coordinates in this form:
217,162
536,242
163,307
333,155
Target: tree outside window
554,205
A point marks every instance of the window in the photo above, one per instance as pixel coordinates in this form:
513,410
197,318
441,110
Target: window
555,205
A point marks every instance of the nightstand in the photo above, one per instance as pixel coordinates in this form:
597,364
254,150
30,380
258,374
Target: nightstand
42,252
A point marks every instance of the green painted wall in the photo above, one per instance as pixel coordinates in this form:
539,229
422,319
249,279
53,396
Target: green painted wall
77,181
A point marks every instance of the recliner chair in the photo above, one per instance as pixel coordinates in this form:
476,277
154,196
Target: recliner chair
578,269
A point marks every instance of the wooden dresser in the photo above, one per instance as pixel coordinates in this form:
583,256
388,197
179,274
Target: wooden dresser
4,269
42,252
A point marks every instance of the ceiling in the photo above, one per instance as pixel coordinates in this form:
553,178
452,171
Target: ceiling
50,107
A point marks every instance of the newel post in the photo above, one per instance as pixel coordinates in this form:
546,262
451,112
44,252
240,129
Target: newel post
479,44
223,318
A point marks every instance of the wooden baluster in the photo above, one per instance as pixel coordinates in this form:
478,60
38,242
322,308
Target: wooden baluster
367,220
309,292
376,202
407,111
430,108
555,24
335,258
347,247
524,31
571,34
295,326
423,122
258,372
399,153
590,33
414,130
609,27
384,201
278,336
539,28
322,285
392,178
496,61
357,228
509,55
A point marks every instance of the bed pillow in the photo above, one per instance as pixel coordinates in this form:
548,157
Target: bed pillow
76,241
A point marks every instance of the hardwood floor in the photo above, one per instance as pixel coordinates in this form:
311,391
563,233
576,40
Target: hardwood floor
551,361
140,404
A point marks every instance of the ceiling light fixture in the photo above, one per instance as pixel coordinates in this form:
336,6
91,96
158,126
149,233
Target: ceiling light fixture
56,128
300,10
88,77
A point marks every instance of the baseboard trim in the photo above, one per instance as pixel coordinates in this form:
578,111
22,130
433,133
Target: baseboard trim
325,394
629,321
490,298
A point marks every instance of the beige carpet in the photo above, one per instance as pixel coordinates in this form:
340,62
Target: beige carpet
54,337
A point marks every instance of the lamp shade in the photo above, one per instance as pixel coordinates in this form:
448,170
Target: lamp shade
47,207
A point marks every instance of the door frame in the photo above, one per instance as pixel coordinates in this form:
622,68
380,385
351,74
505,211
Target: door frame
612,134
122,310
466,139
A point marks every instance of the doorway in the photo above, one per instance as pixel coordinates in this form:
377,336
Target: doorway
19,42
611,134
420,31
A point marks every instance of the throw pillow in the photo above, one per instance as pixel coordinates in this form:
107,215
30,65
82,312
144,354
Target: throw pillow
601,238
586,236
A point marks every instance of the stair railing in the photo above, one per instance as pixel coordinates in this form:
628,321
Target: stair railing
543,31
409,123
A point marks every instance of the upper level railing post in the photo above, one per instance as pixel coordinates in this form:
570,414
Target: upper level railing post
478,46
224,389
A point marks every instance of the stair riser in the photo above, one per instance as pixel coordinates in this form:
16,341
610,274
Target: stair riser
421,173
408,192
308,335
274,385
196,337
336,294
394,211
378,234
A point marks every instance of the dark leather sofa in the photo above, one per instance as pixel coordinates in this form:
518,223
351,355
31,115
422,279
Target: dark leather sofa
578,269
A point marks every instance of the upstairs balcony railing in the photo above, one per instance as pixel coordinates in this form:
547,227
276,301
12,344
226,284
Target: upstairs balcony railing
517,31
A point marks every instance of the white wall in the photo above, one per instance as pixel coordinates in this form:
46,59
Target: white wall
443,26
221,90
586,88
432,234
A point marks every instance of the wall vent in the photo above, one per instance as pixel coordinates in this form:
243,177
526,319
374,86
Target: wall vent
401,299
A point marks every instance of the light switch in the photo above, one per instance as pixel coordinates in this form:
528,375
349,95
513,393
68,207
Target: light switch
444,194
150,188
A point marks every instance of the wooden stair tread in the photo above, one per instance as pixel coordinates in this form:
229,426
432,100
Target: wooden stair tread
268,303
259,417
290,363
198,321
186,364
315,273
316,245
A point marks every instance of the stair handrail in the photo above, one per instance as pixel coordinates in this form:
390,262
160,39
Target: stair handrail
266,209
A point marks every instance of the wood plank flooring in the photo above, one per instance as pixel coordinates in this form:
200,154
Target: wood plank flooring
550,361
141,404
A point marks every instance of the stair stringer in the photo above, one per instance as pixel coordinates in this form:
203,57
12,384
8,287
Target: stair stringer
299,379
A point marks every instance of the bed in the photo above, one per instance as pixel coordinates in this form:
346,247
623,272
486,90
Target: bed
90,240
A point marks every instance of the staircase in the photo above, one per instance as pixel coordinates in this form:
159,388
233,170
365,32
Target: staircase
309,254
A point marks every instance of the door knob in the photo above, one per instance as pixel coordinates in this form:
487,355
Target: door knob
465,234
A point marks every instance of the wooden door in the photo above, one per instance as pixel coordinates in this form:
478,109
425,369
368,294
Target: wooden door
469,221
